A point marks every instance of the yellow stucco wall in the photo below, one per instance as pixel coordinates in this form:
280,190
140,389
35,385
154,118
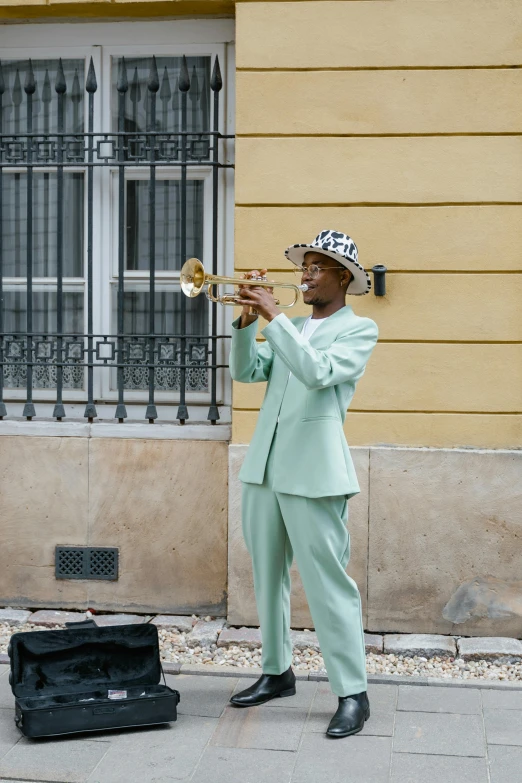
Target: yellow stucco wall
395,122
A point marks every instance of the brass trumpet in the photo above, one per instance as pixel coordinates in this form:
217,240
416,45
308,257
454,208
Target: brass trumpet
193,279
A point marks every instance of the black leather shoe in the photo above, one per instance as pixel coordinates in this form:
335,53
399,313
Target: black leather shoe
351,714
268,686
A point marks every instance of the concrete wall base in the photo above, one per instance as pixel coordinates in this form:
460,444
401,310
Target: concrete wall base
163,503
436,541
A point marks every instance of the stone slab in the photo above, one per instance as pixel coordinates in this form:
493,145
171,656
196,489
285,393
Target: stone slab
174,621
144,498
503,727
305,640
383,699
426,543
204,634
502,700
161,753
44,504
6,694
201,696
266,727
171,667
320,675
432,733
9,734
209,669
373,643
500,649
505,764
425,645
359,761
103,620
66,761
241,600
458,700
14,616
416,767
245,637
238,765
51,617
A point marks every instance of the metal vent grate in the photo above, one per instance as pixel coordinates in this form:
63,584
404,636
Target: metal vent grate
86,562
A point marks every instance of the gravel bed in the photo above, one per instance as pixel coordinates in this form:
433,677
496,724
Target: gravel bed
174,648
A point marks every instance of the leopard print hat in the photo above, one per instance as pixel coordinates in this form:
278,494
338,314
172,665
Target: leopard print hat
343,249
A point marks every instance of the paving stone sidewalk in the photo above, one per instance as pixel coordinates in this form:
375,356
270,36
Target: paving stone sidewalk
416,733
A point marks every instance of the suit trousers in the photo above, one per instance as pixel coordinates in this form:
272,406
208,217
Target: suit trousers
277,526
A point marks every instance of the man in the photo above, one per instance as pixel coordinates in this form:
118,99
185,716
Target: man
298,474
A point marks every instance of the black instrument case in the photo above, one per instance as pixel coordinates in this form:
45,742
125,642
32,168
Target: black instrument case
85,678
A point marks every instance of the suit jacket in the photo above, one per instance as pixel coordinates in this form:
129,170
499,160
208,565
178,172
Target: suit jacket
310,386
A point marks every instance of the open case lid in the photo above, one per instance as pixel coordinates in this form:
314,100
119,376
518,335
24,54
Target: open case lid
79,659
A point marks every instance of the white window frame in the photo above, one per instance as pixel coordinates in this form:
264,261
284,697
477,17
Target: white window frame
136,39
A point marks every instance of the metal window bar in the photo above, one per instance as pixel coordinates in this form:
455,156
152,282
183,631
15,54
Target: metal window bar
183,146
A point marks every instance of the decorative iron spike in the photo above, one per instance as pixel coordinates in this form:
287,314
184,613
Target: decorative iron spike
91,85
182,414
17,89
30,84
121,413
151,413
123,85
184,79
213,414
90,412
153,83
2,82
60,84
135,91
76,94
59,411
46,89
29,411
165,91
216,82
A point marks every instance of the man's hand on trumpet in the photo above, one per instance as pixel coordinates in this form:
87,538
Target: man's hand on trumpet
256,300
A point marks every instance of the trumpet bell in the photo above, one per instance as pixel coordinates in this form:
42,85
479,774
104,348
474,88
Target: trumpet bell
192,277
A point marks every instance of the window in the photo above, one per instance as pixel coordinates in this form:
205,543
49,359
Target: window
114,166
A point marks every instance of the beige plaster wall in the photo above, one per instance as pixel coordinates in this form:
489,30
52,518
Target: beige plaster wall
436,541
163,503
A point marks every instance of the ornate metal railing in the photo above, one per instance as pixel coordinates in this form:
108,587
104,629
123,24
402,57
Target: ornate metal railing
153,360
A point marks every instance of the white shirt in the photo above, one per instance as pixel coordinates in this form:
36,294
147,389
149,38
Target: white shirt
310,325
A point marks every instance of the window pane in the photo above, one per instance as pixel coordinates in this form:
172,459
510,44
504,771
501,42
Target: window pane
44,350
168,224
167,350
14,225
168,103
45,104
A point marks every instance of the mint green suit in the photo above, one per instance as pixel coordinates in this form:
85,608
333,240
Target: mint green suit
297,478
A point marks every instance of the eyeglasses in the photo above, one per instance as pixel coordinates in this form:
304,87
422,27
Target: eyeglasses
313,270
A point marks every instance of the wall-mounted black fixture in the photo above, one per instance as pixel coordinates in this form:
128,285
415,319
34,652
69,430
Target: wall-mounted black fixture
379,280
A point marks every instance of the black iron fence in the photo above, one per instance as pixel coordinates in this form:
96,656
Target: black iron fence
69,352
